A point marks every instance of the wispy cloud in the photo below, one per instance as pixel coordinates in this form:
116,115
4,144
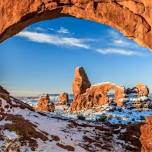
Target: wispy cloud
121,45
40,29
119,40
54,39
112,43
63,30
118,51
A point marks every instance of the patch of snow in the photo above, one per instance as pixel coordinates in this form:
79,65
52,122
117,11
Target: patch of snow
3,122
10,134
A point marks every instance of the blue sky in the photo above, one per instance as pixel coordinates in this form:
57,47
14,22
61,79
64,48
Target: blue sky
42,57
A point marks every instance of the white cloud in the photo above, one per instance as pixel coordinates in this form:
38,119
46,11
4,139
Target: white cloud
63,30
118,51
40,29
117,44
54,39
123,43
119,40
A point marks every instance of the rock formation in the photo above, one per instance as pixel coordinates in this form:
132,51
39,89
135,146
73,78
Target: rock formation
81,82
142,90
97,95
146,135
131,17
45,105
63,98
87,96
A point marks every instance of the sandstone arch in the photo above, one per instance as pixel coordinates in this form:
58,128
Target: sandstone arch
100,93
131,17
97,95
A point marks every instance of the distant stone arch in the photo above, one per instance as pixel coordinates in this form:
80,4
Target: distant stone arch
97,95
133,18
100,93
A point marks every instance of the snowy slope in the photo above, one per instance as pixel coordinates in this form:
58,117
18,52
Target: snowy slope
23,129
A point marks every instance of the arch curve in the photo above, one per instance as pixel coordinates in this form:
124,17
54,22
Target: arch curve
97,95
131,17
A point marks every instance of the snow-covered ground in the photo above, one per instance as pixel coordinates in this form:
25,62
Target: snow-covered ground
111,114
22,129
30,131
107,113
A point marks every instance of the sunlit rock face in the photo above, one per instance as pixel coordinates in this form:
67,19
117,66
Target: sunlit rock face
142,90
133,18
97,96
146,135
81,82
45,105
63,98
87,96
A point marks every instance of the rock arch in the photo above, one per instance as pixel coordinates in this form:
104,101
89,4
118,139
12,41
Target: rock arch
97,95
131,17
100,93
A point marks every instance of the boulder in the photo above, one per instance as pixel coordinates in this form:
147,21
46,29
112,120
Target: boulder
142,89
45,105
63,98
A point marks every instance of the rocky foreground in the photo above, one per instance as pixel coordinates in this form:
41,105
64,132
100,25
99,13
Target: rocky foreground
24,129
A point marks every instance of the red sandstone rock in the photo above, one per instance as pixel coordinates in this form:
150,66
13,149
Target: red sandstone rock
81,82
148,120
97,95
63,98
142,90
146,135
131,17
44,104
